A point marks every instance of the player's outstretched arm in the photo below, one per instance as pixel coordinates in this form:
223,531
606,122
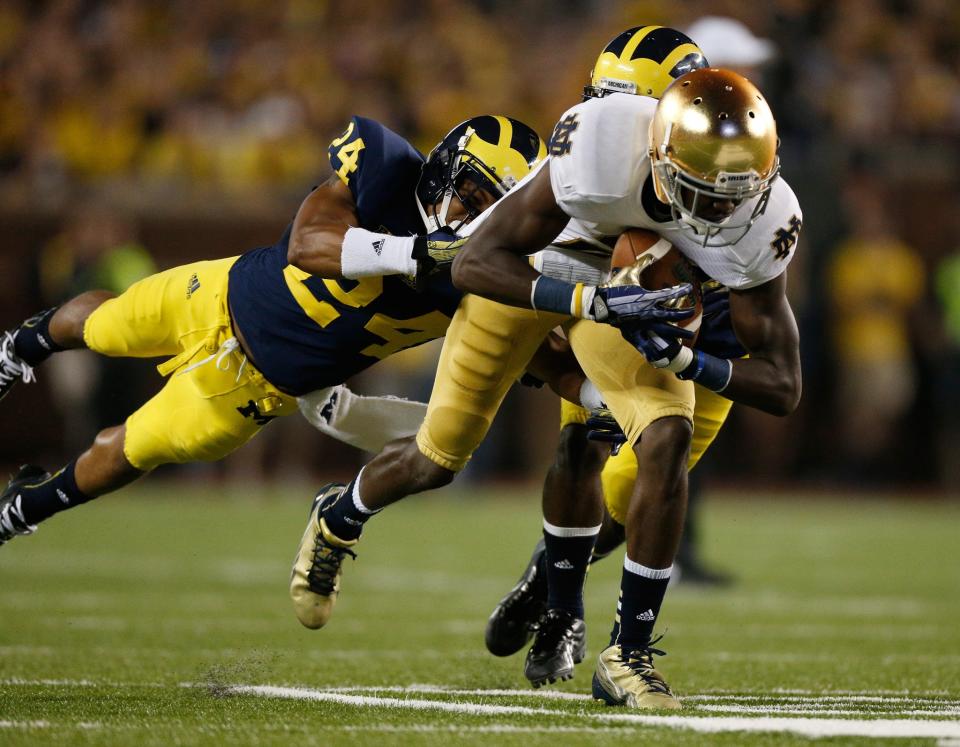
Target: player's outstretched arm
322,221
326,242
493,262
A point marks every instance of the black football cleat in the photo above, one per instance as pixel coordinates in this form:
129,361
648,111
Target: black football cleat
12,522
12,368
560,643
514,620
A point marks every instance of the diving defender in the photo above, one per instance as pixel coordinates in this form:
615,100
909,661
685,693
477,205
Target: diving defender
361,272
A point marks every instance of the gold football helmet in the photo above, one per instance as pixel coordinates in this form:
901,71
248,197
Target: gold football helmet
643,60
713,152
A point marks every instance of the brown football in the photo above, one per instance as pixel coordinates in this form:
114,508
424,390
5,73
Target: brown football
643,258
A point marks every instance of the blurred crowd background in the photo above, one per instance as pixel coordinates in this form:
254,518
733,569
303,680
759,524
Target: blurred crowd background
136,135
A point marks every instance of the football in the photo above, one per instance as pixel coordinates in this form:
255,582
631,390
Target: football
643,258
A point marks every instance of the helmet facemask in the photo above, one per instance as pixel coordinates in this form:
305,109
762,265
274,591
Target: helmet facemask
462,175
687,195
713,155
469,174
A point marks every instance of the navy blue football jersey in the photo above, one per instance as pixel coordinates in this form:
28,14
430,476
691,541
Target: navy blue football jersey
307,332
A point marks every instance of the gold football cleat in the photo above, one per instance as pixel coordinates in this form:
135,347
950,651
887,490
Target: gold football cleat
626,676
315,578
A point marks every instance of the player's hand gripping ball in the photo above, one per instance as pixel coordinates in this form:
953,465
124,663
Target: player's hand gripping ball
641,257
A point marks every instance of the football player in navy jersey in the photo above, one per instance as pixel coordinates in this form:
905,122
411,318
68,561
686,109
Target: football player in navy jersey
361,273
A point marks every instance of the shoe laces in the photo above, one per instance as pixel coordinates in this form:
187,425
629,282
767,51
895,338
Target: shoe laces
11,367
327,559
639,660
554,628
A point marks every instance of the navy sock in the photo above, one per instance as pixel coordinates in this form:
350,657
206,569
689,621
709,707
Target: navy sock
33,343
641,594
346,517
60,492
567,557
615,631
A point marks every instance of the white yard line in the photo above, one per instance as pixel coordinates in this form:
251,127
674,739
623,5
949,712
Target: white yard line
24,724
302,693
492,729
815,705
923,705
837,696
441,690
25,682
811,727
808,727
812,709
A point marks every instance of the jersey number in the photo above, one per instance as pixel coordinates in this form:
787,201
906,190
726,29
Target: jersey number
349,154
397,334
560,144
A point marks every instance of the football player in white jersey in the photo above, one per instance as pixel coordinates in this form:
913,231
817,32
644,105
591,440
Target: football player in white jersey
700,168
643,60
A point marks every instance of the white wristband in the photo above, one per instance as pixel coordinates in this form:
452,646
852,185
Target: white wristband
590,397
684,358
365,253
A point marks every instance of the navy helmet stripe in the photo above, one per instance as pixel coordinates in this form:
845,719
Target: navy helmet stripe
487,127
617,45
659,43
525,141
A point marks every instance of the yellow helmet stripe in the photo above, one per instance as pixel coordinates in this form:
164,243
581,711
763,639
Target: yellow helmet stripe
499,160
506,131
627,54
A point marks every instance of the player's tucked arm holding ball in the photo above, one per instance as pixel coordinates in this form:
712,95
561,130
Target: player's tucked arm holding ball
493,264
764,324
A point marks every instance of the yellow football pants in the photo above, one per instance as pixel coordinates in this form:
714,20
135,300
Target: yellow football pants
215,400
489,345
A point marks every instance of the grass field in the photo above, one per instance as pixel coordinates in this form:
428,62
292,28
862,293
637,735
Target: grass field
161,617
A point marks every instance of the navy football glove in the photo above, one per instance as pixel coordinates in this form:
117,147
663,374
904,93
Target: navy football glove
661,344
716,300
625,304
716,332
604,427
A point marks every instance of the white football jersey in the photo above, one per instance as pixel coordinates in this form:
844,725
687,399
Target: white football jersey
600,173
